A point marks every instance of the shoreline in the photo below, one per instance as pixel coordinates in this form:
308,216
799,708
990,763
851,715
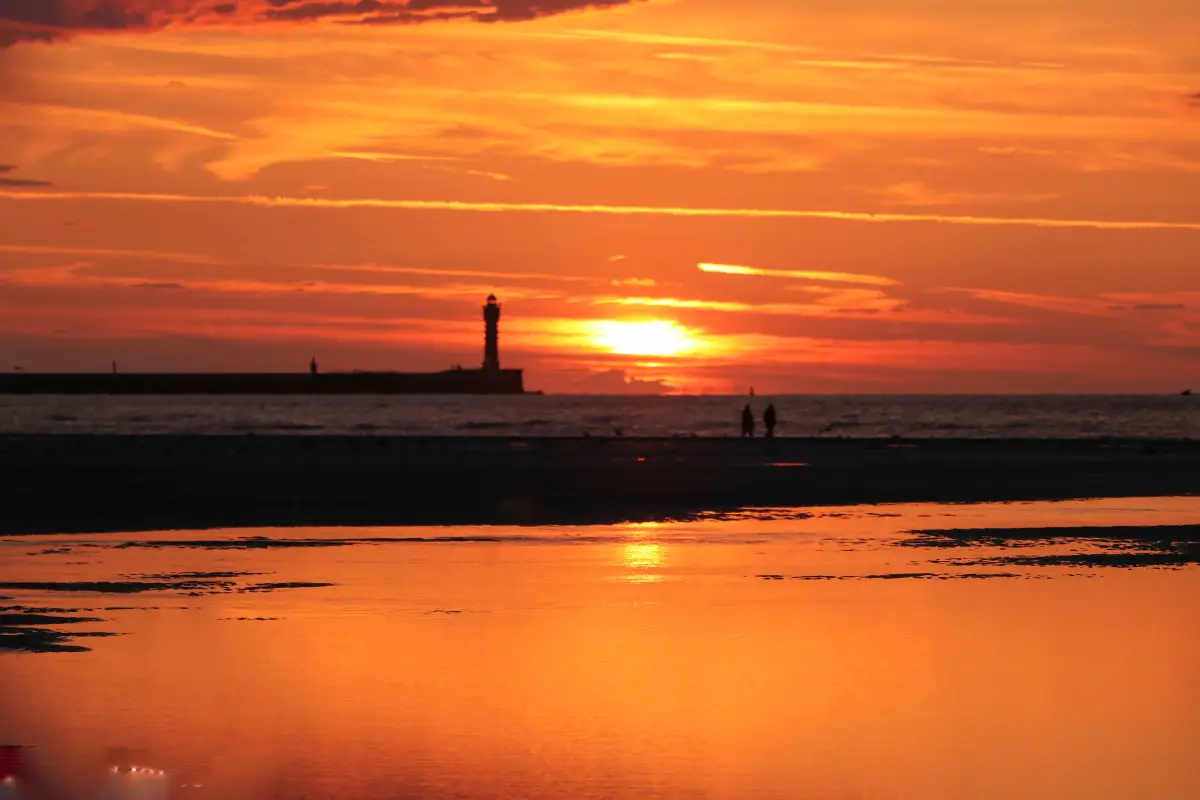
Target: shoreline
98,483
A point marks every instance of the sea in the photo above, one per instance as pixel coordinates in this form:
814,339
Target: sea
953,416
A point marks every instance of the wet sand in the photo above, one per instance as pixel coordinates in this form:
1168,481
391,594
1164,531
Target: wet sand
779,653
62,483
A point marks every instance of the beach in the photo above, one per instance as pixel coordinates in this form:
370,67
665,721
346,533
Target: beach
64,483
911,650
366,617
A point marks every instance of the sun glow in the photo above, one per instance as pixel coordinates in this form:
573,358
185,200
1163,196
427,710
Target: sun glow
653,338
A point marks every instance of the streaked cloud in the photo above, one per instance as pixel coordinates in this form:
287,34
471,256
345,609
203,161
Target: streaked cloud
916,193
620,210
1070,305
73,118
813,275
1158,307
6,169
1156,301
79,275
875,308
140,255
43,20
162,257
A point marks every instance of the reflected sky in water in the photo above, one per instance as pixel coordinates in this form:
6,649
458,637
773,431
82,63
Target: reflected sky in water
772,653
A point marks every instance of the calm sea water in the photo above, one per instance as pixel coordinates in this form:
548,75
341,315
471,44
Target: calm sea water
920,416
769,654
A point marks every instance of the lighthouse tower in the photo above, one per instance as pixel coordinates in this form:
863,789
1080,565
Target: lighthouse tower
491,337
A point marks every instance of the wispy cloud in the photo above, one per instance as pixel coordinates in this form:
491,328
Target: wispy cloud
43,20
206,260
1043,302
1158,307
18,182
620,210
74,118
915,193
834,306
141,255
23,183
1142,158
389,157
812,275
797,53
1017,150
79,275
1157,301
448,272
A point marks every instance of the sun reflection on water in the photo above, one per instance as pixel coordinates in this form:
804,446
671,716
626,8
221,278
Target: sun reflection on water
641,557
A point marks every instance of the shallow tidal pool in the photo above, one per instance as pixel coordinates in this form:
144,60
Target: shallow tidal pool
895,651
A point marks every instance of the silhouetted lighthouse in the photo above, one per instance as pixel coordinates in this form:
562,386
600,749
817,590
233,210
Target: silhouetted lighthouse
491,337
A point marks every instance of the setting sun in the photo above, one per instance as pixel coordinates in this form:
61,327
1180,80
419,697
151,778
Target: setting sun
653,338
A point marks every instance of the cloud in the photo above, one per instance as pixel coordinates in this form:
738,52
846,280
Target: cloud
283,201
1159,307
158,285
914,193
618,381
1016,150
1140,158
22,183
636,282
140,255
1042,302
49,20
81,275
1193,99
837,305
18,182
809,275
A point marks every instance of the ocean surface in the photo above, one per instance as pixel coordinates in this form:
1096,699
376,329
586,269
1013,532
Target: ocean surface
1139,416
1032,650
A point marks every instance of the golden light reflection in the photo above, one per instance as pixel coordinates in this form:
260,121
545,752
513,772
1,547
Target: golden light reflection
649,338
643,557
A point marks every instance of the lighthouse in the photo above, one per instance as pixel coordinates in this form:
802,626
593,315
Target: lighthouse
491,336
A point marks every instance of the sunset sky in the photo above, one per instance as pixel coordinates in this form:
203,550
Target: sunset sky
666,195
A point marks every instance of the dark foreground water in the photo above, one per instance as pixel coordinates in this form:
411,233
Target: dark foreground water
802,415
910,651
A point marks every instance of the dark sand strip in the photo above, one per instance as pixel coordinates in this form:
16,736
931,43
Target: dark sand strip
970,537
85,483
21,632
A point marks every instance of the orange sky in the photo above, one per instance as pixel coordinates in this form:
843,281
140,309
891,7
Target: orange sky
864,195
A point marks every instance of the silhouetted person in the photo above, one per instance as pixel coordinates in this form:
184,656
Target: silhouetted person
747,422
769,420
312,367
